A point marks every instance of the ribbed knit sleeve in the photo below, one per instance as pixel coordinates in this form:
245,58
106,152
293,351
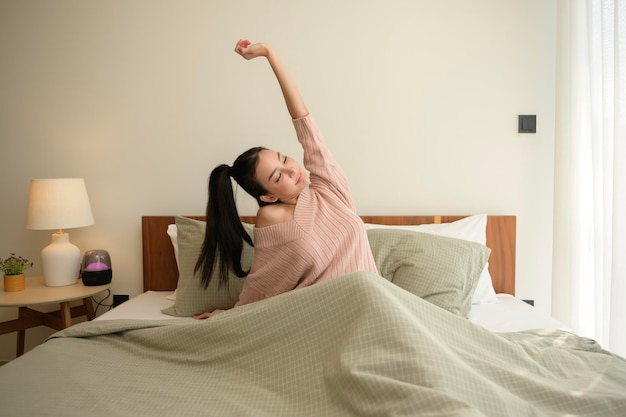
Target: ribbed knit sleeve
318,159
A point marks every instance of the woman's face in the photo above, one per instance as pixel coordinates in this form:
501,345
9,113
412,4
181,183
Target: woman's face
281,176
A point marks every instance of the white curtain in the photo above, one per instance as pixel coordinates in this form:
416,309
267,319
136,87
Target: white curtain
589,273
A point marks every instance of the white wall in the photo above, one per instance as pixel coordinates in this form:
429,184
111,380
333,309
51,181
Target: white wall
418,100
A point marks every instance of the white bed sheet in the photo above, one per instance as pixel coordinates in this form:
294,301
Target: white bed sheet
509,314
145,306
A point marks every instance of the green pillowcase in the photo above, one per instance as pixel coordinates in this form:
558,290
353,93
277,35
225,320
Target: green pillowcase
439,269
191,297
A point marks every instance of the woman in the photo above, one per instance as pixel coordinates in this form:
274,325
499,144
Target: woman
306,229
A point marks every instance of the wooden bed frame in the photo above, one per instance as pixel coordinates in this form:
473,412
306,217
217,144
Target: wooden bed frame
161,274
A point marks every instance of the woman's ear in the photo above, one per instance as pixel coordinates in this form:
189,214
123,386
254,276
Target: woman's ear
268,198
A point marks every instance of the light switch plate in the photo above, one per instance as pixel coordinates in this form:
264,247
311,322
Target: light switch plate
527,123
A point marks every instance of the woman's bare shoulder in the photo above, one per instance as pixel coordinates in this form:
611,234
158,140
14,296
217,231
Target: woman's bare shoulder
274,214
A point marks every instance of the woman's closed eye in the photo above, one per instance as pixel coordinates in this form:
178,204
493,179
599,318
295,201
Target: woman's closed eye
278,177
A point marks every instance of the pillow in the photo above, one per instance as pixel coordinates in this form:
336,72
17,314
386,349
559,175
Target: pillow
439,269
472,228
172,232
191,297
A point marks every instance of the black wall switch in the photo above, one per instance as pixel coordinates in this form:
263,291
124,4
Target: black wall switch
527,123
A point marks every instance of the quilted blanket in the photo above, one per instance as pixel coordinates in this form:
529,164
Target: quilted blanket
357,345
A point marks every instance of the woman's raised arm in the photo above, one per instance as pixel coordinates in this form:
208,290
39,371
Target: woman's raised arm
293,99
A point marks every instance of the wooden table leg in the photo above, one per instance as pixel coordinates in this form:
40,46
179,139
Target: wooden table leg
90,313
21,334
66,314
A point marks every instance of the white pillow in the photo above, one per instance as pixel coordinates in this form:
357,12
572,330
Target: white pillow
472,228
172,232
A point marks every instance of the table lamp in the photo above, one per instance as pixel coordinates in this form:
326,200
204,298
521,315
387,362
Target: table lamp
59,203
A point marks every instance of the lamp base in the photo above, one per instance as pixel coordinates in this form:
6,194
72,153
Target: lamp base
60,261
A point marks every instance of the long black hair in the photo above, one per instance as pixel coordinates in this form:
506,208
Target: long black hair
225,235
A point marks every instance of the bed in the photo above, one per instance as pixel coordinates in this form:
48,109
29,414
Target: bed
358,345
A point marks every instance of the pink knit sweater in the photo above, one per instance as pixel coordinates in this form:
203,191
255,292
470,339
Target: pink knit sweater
324,240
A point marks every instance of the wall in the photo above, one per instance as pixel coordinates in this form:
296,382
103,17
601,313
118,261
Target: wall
418,101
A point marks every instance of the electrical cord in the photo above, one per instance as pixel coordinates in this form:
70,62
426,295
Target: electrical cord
101,302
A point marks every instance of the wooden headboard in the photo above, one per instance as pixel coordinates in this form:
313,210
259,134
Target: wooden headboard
161,274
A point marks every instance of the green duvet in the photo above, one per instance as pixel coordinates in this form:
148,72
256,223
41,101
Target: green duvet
357,345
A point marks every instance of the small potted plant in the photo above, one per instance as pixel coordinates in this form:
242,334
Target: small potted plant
13,268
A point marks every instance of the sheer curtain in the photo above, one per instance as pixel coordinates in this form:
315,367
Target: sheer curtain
589,273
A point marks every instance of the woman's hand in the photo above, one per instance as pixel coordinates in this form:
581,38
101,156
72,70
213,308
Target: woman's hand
207,315
248,50
293,100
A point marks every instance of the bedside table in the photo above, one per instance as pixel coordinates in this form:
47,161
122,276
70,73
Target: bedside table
36,292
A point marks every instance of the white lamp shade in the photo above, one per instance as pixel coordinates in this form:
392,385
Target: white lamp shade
58,203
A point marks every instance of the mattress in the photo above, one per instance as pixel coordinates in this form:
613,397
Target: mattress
509,314
145,306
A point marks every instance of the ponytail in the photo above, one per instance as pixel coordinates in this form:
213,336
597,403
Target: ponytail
225,234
